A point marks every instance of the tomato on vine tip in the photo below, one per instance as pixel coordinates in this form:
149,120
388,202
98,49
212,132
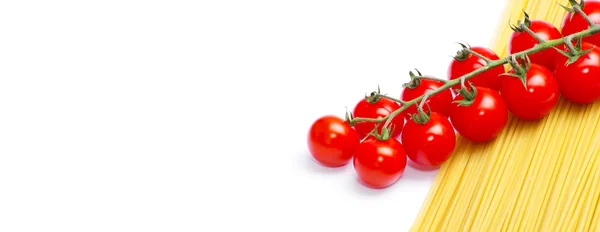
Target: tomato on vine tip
379,163
332,141
380,109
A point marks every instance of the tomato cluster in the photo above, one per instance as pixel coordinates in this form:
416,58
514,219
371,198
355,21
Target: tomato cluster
425,134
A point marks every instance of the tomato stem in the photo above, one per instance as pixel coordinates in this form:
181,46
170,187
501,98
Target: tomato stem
572,49
487,60
462,83
520,71
492,64
469,96
391,98
577,9
530,32
434,79
415,80
421,117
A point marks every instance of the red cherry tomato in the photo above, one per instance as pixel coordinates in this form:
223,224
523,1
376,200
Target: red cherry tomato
535,101
579,82
578,23
439,103
520,41
332,141
489,79
484,119
429,144
379,109
379,164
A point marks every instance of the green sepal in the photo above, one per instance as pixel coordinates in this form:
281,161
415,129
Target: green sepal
580,4
386,133
469,96
349,117
579,42
527,21
574,4
568,9
574,54
573,58
515,28
567,54
421,117
415,80
374,96
463,53
522,78
519,69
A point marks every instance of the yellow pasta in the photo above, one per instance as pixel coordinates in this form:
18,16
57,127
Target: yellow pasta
536,176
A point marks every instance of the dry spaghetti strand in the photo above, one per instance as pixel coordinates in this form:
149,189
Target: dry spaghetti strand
536,176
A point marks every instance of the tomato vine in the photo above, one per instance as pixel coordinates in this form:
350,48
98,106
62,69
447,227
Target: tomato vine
546,63
573,54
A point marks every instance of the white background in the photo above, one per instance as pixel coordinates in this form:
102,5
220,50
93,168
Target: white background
192,115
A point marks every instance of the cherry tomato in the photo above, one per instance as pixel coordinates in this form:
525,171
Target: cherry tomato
580,81
379,109
379,163
332,141
484,119
535,101
520,41
578,23
429,144
489,79
438,103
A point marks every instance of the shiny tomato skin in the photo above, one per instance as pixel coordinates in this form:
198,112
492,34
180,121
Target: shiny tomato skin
332,141
379,109
379,164
439,103
430,144
483,120
489,79
578,23
537,100
579,82
520,41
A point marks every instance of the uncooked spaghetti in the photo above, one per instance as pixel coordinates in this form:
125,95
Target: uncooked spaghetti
536,176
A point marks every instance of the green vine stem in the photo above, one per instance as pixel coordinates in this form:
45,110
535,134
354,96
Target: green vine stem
593,29
533,34
577,8
434,79
572,49
487,60
391,98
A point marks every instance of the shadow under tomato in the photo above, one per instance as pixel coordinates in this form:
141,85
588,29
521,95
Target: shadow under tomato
365,190
421,167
